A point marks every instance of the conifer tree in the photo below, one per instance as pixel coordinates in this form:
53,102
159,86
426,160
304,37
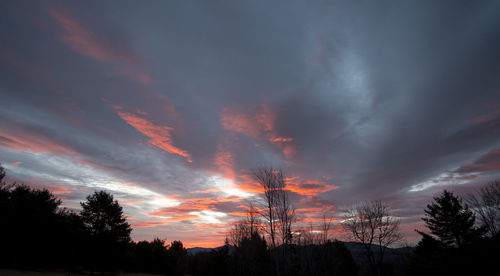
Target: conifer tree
451,221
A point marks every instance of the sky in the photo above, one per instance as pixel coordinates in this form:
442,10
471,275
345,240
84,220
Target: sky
171,105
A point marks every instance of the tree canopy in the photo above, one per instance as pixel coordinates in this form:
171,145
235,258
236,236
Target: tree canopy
451,221
104,218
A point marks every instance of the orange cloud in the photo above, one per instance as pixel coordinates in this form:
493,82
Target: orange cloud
160,135
310,210
308,187
209,240
315,219
224,161
130,202
88,43
282,139
239,214
225,158
252,124
259,124
194,204
248,184
266,118
242,123
31,142
61,190
289,150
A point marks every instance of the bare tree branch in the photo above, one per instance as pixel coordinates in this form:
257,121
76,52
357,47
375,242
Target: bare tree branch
371,223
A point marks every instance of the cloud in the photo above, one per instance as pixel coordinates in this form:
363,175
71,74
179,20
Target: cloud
32,142
308,187
484,163
161,136
258,124
17,163
224,158
88,42
231,119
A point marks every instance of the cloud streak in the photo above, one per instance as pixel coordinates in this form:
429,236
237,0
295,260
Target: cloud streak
161,136
88,42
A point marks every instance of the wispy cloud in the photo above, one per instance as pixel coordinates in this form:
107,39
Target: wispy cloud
89,43
160,136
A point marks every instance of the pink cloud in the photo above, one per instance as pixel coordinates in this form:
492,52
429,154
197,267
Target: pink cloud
89,43
31,142
484,163
17,163
258,124
160,136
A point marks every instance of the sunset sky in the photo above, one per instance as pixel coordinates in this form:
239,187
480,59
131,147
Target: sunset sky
170,105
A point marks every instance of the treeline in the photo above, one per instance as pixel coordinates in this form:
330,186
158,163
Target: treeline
35,233
463,237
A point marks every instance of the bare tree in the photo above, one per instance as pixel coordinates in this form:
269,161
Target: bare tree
253,220
244,228
277,211
325,228
371,224
237,233
285,213
486,204
268,179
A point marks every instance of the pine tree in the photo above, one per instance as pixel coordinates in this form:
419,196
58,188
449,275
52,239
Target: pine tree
104,218
451,221
108,228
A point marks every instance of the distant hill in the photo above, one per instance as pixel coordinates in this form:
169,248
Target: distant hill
356,249
195,250
357,246
396,257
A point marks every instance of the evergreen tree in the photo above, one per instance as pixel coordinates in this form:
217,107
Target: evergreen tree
29,231
103,217
109,230
451,221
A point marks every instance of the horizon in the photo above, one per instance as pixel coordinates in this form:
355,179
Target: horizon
171,106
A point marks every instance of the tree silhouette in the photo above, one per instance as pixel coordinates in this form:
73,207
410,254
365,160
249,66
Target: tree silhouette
371,224
2,173
277,211
244,228
178,258
108,228
103,217
29,222
451,221
251,257
149,256
455,246
216,262
486,205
